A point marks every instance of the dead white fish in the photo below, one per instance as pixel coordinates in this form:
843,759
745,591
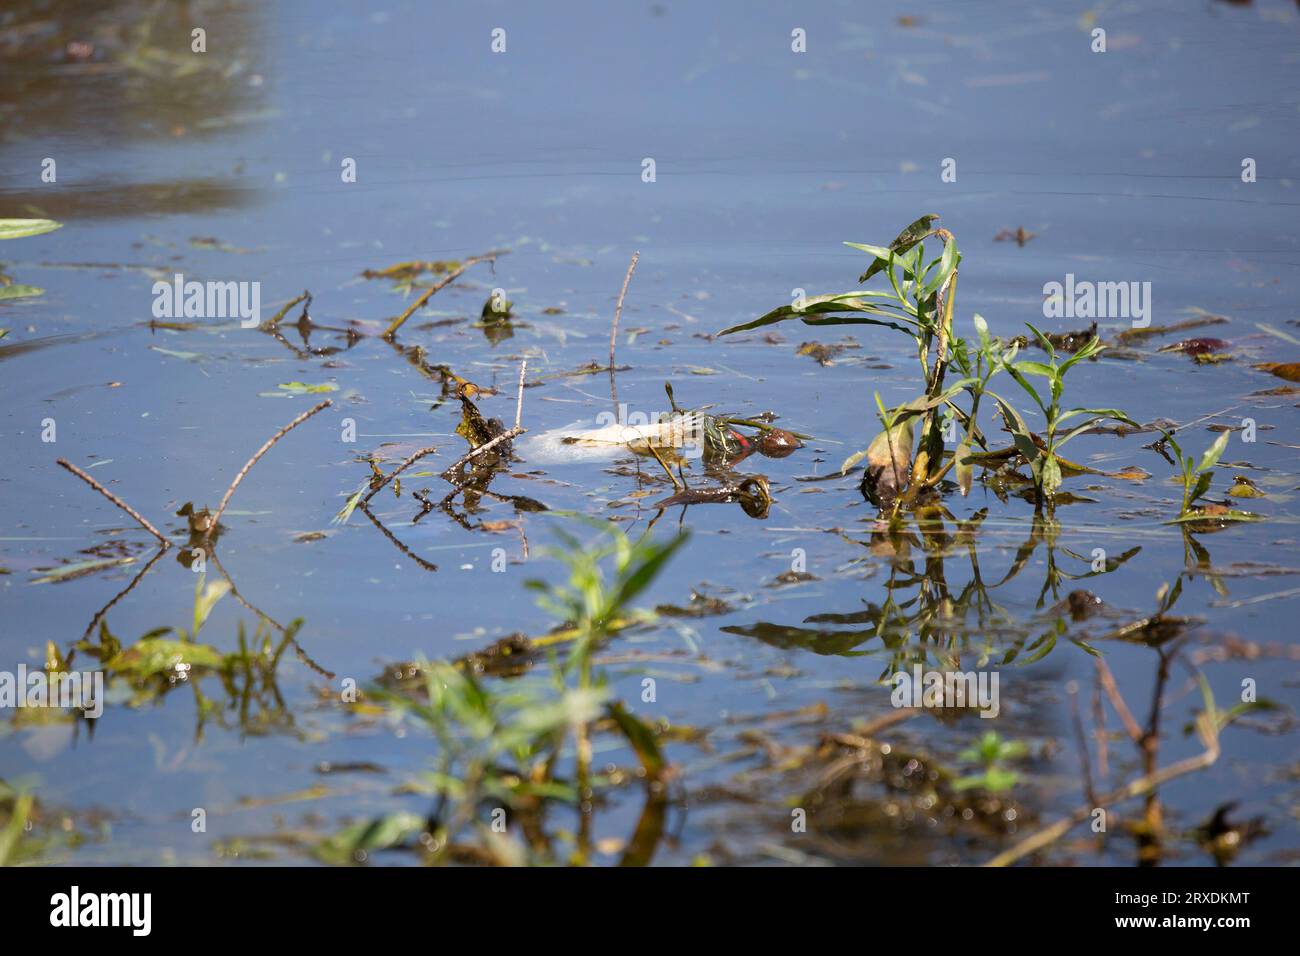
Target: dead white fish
575,442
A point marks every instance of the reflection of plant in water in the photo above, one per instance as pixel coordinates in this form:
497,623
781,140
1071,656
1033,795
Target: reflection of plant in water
17,229
15,813
166,658
32,832
923,614
872,796
508,751
991,752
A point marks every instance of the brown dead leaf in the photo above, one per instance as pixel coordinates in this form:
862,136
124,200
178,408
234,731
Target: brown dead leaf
1287,370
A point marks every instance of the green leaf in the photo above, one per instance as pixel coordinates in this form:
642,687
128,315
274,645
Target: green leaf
1035,368
544,719
21,228
1231,514
965,471
1172,443
1044,341
1024,383
15,828
640,579
1099,414
923,403
889,462
641,738
947,266
302,388
1025,445
853,459
204,601
1202,486
1086,351
1214,452
880,252
75,569
1013,420
19,292
1114,413
1051,472
355,843
813,306
148,657
885,418
904,241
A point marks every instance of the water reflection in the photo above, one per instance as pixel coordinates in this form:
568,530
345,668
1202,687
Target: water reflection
924,617
126,74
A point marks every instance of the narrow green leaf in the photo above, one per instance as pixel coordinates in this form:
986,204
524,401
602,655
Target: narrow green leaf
904,241
20,292
1214,452
21,228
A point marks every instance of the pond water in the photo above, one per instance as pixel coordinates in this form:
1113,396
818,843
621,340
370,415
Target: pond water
226,166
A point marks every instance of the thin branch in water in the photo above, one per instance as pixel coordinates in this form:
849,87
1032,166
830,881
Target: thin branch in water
253,461
480,450
519,401
428,566
422,453
613,330
63,462
679,485
1072,689
123,593
276,319
1099,718
298,648
442,283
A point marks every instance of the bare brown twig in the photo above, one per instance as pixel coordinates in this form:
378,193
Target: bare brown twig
422,453
613,329
427,565
442,283
99,616
298,648
276,319
482,449
519,400
63,462
225,500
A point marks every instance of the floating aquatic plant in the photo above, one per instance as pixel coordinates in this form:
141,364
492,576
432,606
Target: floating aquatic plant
908,456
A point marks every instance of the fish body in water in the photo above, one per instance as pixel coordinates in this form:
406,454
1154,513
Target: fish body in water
683,433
